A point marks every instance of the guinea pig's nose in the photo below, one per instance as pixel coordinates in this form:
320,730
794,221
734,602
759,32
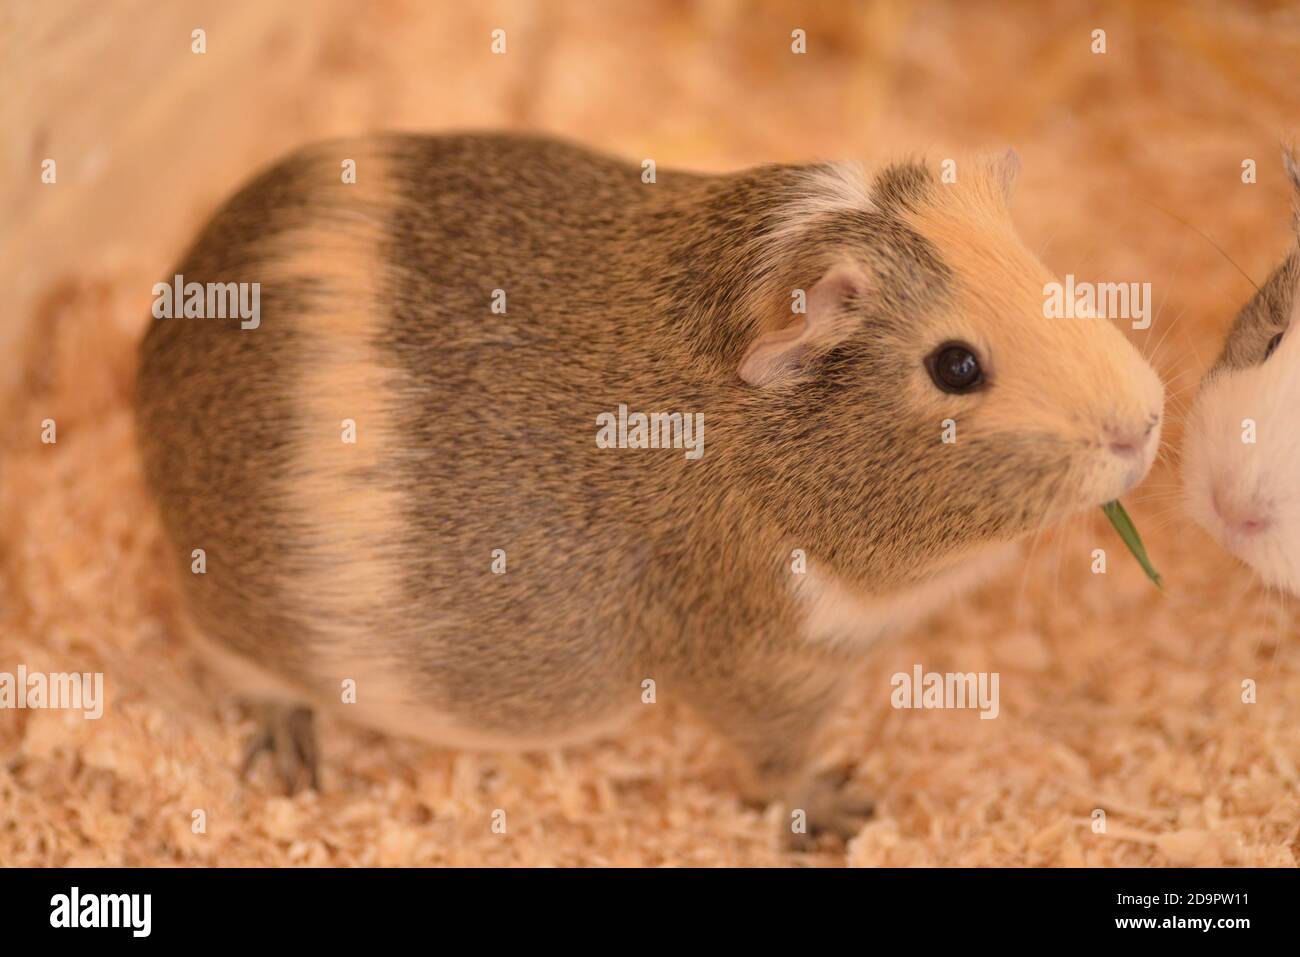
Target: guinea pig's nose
1133,441
1242,519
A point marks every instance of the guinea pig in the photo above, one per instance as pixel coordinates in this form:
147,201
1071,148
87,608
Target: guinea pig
1241,457
424,473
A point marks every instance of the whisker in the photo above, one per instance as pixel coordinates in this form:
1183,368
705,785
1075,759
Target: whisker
1224,254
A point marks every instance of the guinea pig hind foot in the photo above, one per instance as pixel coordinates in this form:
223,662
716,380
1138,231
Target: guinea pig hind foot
287,733
832,803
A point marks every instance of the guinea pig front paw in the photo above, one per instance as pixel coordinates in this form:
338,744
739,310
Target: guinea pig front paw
287,733
832,804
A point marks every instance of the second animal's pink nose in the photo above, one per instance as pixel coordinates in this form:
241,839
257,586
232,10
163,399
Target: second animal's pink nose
1241,518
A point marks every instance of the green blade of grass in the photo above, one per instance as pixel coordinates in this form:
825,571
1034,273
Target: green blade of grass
1124,525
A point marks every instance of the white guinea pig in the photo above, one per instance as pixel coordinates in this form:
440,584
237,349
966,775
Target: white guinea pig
1241,460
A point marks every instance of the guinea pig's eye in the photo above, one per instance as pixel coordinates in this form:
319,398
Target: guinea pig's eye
954,368
1272,344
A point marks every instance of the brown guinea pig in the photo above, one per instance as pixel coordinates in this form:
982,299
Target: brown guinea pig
456,459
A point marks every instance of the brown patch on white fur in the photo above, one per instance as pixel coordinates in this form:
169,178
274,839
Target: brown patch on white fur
1247,493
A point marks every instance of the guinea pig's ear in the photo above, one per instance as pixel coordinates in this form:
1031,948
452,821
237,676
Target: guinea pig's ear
781,353
1007,170
1292,163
